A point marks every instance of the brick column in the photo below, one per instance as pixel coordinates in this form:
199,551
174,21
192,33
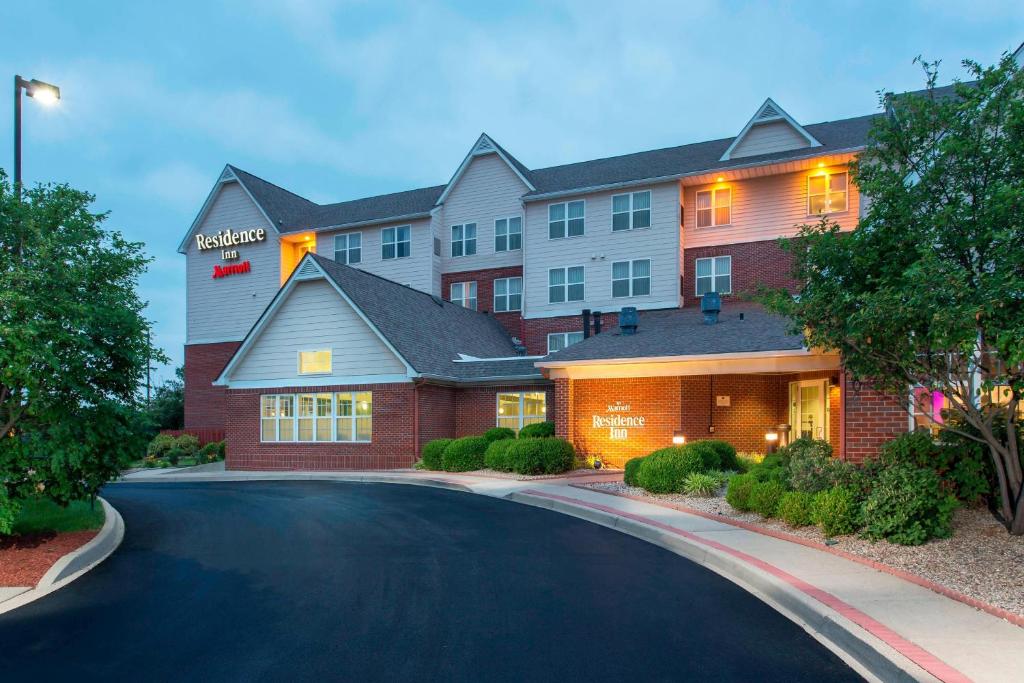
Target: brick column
563,408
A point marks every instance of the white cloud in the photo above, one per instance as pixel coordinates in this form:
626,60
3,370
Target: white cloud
176,183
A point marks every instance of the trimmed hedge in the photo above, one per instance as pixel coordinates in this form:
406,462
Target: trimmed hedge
738,492
908,506
498,433
629,473
465,454
664,471
496,455
836,511
795,508
708,454
537,430
765,497
432,452
727,458
540,455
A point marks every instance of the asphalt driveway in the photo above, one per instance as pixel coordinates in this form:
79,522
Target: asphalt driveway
344,581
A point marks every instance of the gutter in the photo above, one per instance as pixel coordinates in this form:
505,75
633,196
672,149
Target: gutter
361,224
782,353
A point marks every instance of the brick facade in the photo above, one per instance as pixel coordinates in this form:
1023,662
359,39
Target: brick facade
872,418
754,264
204,403
484,279
476,407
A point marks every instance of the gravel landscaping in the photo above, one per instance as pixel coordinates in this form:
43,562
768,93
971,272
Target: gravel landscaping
980,560
582,472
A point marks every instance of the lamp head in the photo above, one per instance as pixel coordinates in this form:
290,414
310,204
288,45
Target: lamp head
44,93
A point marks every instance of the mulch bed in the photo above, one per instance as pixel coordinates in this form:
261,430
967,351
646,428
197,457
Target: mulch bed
24,559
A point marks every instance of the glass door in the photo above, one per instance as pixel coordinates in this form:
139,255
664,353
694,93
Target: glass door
808,409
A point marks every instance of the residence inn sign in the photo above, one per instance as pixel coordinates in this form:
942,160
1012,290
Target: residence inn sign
618,422
224,240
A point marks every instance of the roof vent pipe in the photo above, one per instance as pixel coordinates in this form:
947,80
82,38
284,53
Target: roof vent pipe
597,323
586,323
628,320
710,306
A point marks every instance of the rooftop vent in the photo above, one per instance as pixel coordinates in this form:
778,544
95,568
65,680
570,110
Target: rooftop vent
710,305
628,320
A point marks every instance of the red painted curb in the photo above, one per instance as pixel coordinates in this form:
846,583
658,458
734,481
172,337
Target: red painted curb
1014,619
924,659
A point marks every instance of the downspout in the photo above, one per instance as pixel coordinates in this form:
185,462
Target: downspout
416,417
842,413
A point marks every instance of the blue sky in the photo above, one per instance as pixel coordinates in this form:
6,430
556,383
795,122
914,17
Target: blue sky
337,100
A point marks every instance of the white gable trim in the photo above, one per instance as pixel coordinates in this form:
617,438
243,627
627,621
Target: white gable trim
484,145
301,273
767,113
226,176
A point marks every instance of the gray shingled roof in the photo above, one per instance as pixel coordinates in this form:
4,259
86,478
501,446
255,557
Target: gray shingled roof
682,332
428,332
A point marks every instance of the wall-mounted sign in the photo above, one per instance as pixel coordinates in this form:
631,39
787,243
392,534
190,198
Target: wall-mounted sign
723,401
231,269
230,238
618,421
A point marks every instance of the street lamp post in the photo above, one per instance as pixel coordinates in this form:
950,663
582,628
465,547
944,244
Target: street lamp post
45,93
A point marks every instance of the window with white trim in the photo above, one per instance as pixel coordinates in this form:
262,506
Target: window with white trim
631,278
566,219
518,409
348,248
714,275
464,239
463,294
714,207
559,340
631,211
508,234
342,416
508,294
396,242
826,193
565,284
315,362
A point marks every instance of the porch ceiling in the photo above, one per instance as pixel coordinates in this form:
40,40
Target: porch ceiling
755,171
719,364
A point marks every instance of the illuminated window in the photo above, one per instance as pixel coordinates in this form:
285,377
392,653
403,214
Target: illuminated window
826,193
508,234
565,284
926,408
395,242
559,340
631,211
714,275
714,207
354,416
631,278
566,219
464,294
316,362
324,417
464,239
508,294
348,248
519,409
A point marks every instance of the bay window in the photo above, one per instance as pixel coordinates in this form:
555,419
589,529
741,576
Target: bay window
518,409
322,417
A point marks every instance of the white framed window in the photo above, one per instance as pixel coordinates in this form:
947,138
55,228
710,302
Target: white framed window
315,362
559,340
518,409
826,193
464,239
343,416
631,211
566,219
714,275
631,278
714,207
396,242
508,294
348,248
508,234
463,294
565,284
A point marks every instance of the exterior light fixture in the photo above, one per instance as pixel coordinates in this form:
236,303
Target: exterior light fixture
821,164
678,438
44,93
720,179
772,440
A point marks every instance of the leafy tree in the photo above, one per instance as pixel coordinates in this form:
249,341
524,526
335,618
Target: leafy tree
73,345
166,410
929,290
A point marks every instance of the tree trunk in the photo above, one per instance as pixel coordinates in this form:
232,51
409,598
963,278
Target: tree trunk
1016,525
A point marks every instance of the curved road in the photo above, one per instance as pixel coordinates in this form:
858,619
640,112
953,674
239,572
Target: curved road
338,581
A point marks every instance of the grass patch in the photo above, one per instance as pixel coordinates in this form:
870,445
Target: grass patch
40,515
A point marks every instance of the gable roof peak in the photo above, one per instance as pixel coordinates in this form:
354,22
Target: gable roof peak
483,146
769,112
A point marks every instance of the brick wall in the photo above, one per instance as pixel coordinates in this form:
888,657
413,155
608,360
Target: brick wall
754,264
437,412
204,403
476,408
536,330
757,403
872,418
484,280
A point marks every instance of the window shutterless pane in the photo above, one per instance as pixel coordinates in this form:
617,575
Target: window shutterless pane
556,342
470,239
286,429
620,221
722,264
269,406
501,234
641,200
515,233
723,206
575,282
364,404
837,182
305,405
343,427
305,429
722,284
620,269
704,266
575,227
816,184
268,430
620,203
508,405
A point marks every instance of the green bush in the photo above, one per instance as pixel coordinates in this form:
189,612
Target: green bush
708,454
812,468
701,484
432,452
222,450
537,430
727,457
738,492
964,464
498,433
765,497
465,454
630,471
187,444
836,511
541,455
160,444
175,455
908,506
663,471
771,469
210,452
746,461
917,449
496,455
805,447
9,508
795,508
722,476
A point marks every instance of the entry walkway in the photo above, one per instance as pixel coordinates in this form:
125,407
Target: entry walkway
895,629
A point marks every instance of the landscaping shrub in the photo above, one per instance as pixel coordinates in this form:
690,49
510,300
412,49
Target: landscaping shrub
765,497
210,452
738,492
498,433
663,471
708,454
812,468
964,464
722,476
917,449
537,430
432,452
631,469
187,444
909,506
496,455
795,508
836,511
771,469
727,456
175,455
222,450
701,484
9,508
160,444
465,454
541,455
746,461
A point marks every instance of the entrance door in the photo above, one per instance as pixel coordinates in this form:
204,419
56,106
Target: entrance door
808,409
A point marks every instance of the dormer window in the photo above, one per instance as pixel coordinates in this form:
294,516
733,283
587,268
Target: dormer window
714,207
826,193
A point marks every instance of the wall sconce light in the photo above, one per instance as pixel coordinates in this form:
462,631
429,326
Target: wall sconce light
821,164
772,440
678,439
720,179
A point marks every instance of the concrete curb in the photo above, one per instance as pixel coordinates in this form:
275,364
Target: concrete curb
77,562
867,654
374,478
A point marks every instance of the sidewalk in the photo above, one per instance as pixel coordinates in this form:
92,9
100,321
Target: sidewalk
894,628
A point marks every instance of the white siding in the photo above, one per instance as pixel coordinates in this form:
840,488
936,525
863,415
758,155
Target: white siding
765,138
415,271
314,316
598,248
224,309
487,190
